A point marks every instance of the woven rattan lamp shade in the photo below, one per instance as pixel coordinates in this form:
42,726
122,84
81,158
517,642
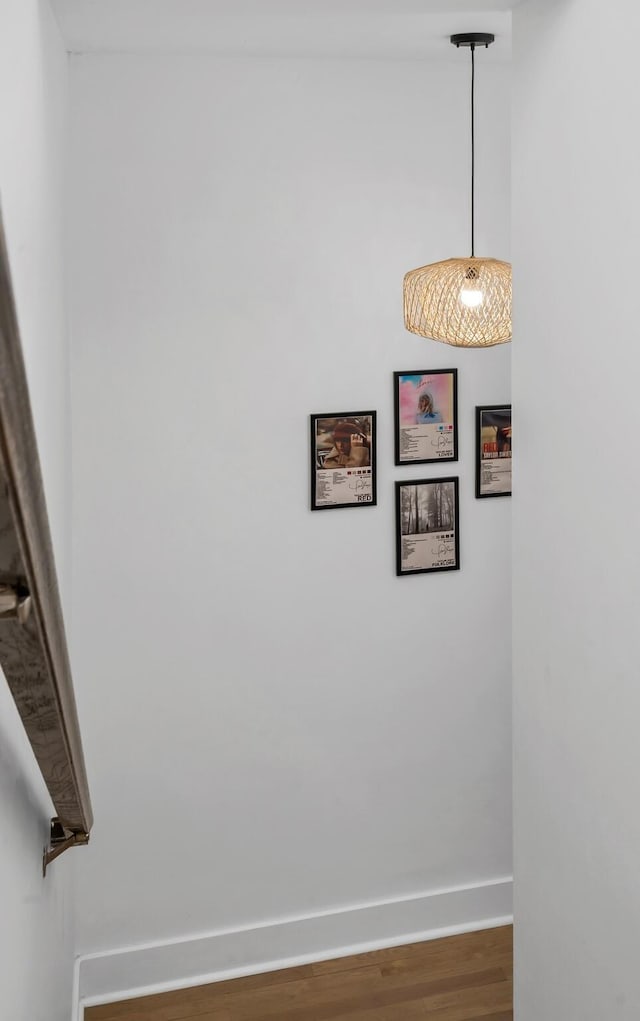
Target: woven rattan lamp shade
463,302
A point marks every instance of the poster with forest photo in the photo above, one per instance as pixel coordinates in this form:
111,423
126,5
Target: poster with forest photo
427,526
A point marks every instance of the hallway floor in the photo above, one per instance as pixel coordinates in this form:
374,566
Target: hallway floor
460,978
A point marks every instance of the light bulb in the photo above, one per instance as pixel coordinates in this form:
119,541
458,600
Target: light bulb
471,297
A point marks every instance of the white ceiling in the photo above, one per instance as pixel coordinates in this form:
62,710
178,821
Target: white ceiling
367,28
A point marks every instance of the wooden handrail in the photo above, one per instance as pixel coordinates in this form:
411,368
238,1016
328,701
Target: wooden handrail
33,647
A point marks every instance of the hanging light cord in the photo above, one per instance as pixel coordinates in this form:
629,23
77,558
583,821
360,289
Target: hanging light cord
473,151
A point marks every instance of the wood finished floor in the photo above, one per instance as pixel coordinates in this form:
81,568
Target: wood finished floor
461,978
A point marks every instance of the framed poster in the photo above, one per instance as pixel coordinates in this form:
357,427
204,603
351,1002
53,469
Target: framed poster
426,416
427,526
343,460
493,450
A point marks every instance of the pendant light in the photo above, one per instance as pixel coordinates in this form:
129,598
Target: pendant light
464,302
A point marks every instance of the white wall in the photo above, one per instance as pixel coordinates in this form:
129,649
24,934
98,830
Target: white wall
37,915
274,723
576,556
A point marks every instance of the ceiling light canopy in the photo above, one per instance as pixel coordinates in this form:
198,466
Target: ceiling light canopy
464,302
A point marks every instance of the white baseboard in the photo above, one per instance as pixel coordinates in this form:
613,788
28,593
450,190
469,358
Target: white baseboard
268,946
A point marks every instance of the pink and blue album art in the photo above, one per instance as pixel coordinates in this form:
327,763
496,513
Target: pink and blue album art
425,405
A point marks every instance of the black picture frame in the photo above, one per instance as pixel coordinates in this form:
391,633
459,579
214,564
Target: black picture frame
436,514
425,442
350,477
493,451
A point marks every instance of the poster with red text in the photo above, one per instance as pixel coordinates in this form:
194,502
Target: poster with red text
493,450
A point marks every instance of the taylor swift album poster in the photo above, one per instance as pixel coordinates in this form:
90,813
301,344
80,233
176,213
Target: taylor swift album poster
426,416
343,460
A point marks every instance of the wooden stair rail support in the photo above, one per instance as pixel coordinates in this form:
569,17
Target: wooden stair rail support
33,647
